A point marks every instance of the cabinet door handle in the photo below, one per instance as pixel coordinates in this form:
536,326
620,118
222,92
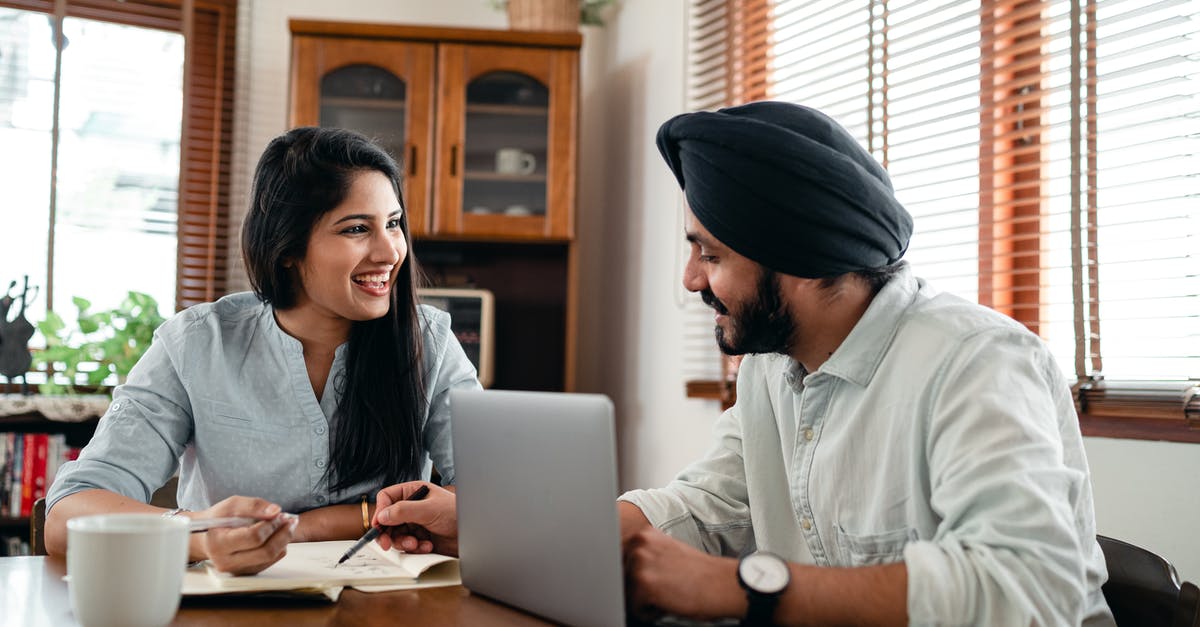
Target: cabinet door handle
454,160
412,159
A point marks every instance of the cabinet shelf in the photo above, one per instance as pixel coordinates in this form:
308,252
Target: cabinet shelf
484,175
363,103
503,109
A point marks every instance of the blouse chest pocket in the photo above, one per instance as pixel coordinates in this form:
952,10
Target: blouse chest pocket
865,549
249,418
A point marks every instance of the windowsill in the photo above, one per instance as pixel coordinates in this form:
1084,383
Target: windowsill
1168,412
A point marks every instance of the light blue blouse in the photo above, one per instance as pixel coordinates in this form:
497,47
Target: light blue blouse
223,395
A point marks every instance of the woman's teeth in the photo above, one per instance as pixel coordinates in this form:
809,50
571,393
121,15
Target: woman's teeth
371,280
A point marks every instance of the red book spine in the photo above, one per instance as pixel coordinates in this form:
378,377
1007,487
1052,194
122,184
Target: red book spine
40,463
27,465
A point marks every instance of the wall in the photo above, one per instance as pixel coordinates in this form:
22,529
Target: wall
1146,494
630,228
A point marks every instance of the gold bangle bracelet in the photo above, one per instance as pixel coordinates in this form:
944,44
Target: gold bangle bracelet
366,514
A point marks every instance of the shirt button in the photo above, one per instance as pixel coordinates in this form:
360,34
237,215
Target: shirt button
320,499
806,524
320,463
808,434
320,430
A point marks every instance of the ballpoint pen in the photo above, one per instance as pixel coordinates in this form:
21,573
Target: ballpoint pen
374,532
204,524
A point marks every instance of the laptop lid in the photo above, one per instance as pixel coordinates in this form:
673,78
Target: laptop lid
537,516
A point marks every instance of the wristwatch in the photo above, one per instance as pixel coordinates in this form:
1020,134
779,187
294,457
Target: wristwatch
764,576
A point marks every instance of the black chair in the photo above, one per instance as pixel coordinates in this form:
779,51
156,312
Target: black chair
1143,589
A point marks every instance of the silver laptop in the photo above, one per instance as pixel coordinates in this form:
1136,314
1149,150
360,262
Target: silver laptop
537,515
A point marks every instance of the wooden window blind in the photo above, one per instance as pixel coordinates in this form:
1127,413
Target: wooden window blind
1048,152
206,135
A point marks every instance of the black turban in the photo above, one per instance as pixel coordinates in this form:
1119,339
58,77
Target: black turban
787,187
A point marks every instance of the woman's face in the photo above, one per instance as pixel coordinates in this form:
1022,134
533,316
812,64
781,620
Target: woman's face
354,253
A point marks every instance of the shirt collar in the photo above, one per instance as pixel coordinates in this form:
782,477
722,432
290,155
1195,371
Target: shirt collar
859,355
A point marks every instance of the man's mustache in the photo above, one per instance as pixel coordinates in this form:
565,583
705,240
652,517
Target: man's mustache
711,300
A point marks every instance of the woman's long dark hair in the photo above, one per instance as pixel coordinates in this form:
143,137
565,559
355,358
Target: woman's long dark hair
377,427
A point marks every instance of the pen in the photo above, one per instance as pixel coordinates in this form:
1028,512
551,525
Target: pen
374,532
204,524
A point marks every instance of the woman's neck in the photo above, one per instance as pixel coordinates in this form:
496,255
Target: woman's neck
316,333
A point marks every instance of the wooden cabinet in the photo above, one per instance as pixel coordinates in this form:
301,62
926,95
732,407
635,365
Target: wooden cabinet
484,126
503,165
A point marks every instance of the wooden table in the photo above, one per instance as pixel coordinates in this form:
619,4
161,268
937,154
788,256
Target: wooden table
33,594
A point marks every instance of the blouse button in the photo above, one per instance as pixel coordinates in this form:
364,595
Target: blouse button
806,524
808,434
320,463
320,430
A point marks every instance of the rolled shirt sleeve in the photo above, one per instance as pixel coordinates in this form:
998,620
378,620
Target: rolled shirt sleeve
139,440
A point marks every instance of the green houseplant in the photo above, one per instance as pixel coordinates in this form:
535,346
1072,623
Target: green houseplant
114,340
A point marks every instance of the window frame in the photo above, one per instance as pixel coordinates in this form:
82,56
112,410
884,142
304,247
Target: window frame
206,136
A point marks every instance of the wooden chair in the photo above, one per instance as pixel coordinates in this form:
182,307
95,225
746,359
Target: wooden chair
1143,589
162,497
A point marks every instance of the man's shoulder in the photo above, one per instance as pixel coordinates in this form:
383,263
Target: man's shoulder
942,315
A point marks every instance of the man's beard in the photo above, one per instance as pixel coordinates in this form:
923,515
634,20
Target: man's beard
761,325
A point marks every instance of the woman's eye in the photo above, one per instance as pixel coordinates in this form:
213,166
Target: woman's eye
357,228
394,223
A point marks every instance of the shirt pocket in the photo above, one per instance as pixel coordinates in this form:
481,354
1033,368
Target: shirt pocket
863,549
226,414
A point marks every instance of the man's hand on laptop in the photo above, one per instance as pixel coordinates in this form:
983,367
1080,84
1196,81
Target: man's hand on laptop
666,576
429,525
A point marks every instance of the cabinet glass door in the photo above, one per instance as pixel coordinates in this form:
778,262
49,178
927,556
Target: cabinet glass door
507,142
384,91
506,137
367,99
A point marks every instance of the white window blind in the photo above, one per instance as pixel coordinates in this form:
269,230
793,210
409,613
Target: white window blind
1049,151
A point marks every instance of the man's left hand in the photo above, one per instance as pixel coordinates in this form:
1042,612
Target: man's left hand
666,576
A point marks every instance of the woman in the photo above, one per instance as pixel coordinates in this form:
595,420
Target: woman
309,395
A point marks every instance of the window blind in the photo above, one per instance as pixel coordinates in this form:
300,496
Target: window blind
1048,151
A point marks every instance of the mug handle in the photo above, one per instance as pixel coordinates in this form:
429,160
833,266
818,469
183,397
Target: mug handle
528,163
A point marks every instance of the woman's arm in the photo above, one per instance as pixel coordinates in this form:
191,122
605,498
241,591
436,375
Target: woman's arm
335,522
243,550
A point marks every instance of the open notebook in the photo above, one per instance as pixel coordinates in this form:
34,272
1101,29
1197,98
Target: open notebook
310,565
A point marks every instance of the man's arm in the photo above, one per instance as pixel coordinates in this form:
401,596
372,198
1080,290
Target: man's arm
666,576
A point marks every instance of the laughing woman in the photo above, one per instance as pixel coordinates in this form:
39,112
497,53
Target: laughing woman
309,395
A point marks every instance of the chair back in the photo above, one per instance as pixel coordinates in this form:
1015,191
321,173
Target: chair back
1143,589
162,497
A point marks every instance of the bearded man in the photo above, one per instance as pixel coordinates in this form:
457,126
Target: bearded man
896,454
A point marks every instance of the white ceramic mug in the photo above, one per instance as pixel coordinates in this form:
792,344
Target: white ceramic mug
126,569
515,161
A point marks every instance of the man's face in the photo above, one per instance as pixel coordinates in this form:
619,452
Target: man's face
751,316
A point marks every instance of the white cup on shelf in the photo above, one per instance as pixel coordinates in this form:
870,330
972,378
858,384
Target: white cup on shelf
515,161
126,569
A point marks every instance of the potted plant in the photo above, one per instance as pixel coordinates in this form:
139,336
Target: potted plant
113,340
552,15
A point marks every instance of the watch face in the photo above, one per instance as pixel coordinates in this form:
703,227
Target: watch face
764,573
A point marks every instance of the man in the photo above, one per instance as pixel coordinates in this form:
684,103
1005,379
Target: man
896,455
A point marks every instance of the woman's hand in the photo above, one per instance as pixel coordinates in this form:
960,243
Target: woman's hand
247,550
425,526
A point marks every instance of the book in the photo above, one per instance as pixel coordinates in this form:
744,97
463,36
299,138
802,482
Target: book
311,565
41,450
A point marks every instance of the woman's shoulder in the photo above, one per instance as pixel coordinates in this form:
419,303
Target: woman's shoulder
229,313
435,324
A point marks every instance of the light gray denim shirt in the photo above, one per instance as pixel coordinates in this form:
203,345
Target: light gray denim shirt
223,395
939,433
